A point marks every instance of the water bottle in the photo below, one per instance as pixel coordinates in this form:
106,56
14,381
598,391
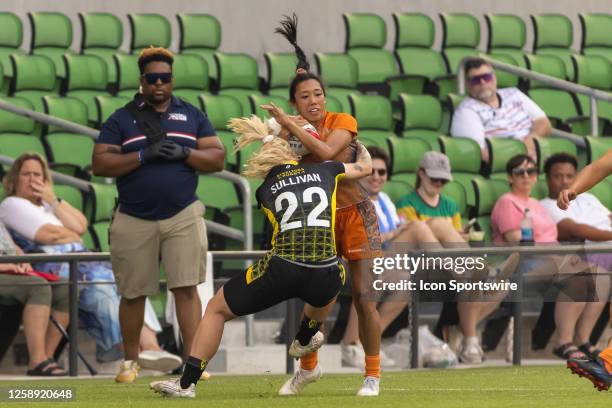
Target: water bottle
527,227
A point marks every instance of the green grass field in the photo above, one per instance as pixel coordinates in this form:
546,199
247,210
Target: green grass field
487,387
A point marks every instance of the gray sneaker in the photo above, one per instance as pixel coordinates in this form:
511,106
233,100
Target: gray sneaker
297,350
301,378
370,387
172,388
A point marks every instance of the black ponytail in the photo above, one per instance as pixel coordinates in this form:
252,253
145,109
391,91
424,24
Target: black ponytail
288,29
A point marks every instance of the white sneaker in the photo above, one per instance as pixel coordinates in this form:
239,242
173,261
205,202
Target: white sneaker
159,360
370,387
172,388
297,350
300,379
353,355
385,360
471,352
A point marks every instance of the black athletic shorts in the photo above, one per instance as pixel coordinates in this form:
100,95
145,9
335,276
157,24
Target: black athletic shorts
280,280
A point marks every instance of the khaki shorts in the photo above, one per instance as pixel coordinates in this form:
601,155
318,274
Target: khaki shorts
137,246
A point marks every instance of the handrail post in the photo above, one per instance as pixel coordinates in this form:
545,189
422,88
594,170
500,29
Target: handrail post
594,119
461,78
73,307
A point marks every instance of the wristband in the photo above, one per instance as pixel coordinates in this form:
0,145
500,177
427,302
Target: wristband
141,156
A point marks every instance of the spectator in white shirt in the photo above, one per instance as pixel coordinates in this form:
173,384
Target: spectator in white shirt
586,219
490,112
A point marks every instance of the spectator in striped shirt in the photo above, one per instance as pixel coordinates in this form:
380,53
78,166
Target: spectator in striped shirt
490,112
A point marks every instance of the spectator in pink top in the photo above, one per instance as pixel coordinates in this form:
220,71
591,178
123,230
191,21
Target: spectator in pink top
574,319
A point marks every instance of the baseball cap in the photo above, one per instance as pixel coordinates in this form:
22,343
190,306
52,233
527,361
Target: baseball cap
436,165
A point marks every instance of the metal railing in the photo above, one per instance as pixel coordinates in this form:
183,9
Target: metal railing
245,235
593,94
292,311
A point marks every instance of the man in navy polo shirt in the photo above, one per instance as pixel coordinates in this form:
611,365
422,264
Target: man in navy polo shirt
159,215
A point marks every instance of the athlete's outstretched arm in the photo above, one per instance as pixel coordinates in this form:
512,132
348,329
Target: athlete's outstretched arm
587,178
362,166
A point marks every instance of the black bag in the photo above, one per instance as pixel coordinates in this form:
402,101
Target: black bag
148,120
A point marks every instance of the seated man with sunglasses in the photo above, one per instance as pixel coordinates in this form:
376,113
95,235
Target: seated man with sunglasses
155,146
490,112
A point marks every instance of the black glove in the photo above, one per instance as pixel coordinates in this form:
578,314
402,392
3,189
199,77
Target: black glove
172,151
151,153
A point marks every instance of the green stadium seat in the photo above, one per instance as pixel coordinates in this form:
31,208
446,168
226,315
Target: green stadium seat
597,147
596,72
397,189
102,35
128,74
219,109
147,30
463,153
603,191
405,157
216,193
554,35
421,117
374,116
86,78
423,69
200,34
457,193
71,194
505,79
596,29
101,202
464,156
257,100
71,151
281,71
237,76
546,147
339,73
540,189
560,106
33,78
11,38
333,104
460,38
52,37
366,35
487,192
502,149
16,131
99,233
507,36
107,105
190,77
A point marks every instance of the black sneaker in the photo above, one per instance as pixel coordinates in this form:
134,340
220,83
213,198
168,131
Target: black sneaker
594,370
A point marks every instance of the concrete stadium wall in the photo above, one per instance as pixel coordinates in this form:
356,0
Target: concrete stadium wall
248,25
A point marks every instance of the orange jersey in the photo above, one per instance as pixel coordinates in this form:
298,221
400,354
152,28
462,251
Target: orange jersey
349,191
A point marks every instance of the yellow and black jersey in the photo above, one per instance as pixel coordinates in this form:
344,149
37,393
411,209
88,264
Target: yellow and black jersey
300,202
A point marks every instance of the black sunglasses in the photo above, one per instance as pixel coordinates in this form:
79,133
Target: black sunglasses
521,172
152,77
381,172
438,180
475,80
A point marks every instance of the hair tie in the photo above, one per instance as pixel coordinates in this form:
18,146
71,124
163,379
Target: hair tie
267,138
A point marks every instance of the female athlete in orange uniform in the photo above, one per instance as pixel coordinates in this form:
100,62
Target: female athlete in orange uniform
356,230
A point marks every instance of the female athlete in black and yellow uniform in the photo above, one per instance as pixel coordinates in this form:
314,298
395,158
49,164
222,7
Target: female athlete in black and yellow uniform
300,202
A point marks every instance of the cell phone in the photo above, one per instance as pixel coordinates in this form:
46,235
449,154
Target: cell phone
469,225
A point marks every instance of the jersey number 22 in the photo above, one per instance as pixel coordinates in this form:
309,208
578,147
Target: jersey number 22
292,200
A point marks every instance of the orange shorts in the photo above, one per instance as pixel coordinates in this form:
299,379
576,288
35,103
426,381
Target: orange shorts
356,232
